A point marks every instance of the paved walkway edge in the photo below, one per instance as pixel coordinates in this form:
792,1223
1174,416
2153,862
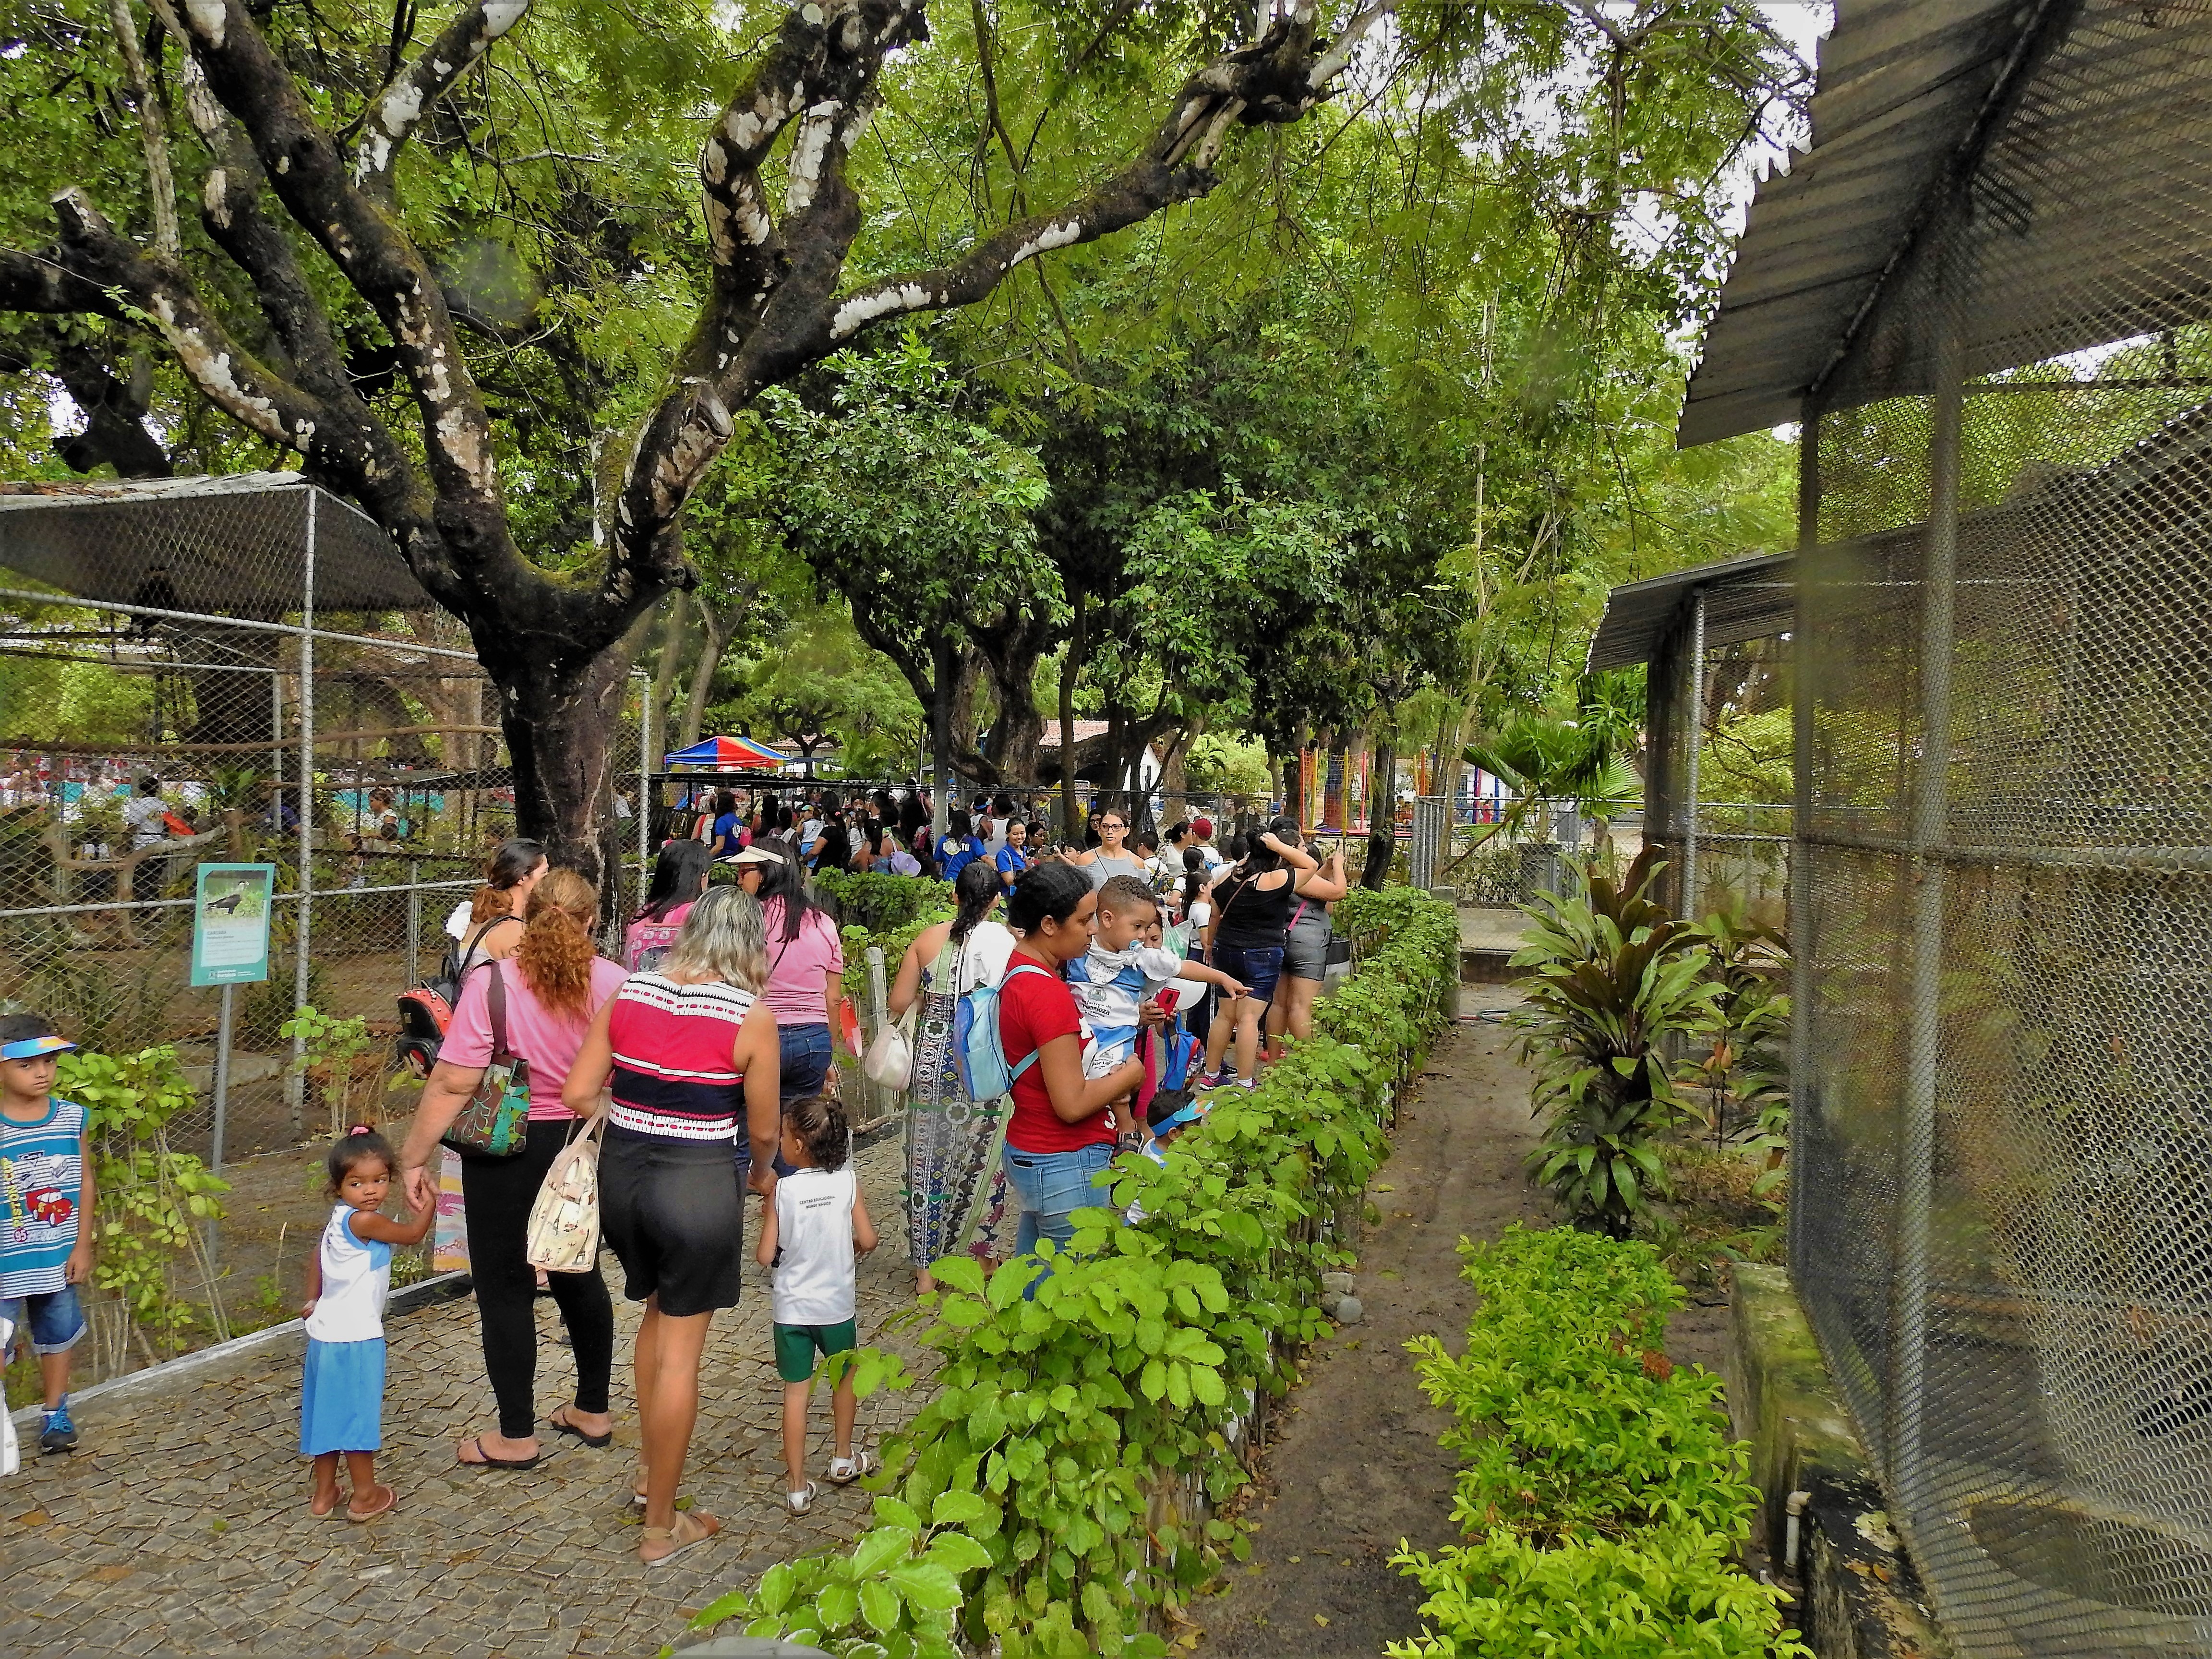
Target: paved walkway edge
423,1293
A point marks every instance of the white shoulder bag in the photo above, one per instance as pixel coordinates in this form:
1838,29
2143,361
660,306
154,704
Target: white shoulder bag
890,1058
564,1220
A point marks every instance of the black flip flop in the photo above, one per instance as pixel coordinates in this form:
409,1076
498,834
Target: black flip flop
484,1460
562,1426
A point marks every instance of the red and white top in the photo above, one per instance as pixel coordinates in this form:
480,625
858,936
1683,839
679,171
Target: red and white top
674,1079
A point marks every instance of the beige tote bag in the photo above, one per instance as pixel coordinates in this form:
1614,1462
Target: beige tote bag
564,1220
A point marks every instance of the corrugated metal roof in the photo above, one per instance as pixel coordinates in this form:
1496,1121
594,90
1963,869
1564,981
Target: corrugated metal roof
232,544
1745,599
1901,86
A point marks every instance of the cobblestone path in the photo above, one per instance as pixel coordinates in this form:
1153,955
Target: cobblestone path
181,1526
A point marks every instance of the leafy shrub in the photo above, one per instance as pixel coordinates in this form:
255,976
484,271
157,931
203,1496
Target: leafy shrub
154,1200
117,1009
877,903
1670,1594
1058,1416
266,1008
1602,1496
1615,979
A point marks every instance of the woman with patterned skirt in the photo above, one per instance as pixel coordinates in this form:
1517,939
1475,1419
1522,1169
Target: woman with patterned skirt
954,1189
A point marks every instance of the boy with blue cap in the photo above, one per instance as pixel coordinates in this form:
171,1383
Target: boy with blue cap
45,1191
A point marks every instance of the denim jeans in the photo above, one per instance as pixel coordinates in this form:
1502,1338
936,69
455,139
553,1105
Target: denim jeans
807,1058
1051,1186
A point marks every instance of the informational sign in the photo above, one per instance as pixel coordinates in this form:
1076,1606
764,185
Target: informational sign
230,923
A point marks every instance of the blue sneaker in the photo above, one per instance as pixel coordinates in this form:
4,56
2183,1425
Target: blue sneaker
59,1434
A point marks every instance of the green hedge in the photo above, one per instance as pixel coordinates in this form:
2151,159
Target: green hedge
1019,1509
880,903
1602,1497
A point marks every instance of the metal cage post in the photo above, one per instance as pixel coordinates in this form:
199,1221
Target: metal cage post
1930,810
295,1087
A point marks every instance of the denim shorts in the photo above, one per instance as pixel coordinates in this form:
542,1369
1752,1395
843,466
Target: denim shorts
1256,967
56,1320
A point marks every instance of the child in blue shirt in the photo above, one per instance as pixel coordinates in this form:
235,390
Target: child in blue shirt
45,1189
1120,973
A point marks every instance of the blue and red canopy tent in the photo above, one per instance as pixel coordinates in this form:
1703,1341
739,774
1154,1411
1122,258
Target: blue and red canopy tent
730,755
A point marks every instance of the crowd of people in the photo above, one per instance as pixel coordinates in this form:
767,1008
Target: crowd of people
705,1059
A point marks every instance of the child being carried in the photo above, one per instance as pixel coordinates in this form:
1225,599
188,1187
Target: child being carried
1120,973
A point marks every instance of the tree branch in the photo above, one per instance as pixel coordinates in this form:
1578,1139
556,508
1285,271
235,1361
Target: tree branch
385,268
248,391
394,113
161,190
771,283
40,283
114,408
1277,79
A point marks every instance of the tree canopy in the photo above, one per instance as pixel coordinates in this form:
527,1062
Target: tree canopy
1231,366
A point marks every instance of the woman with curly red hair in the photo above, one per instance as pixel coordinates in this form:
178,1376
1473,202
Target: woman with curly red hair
555,983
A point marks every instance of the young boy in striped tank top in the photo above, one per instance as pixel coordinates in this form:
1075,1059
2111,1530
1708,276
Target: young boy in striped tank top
45,1189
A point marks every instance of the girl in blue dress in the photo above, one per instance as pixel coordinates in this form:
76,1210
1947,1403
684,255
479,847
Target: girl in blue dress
342,1400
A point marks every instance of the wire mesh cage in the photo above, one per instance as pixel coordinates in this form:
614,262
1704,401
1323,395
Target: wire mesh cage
235,670
2004,1050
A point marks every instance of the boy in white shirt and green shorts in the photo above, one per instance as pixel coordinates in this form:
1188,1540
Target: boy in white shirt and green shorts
816,1228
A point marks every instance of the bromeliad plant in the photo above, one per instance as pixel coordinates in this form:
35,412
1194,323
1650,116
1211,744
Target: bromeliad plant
1063,1421
1614,980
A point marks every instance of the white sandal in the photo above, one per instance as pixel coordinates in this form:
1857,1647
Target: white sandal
844,1471
801,1501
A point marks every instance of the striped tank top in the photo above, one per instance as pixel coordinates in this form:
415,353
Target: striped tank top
673,1078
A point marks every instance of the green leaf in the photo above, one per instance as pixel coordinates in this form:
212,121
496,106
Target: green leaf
958,1552
879,1547
839,1606
891,1512
882,1606
928,1586
958,1509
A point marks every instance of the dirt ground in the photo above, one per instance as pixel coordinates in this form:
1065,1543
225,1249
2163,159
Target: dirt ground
1357,1468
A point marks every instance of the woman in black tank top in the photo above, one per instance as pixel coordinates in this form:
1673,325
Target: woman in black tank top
1251,912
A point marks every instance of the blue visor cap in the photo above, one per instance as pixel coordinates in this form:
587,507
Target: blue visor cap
1176,1119
32,1048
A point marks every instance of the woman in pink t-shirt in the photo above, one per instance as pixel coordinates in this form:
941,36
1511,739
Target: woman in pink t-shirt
679,876
552,988
805,978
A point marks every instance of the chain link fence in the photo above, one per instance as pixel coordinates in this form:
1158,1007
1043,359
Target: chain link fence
2003,1053
356,751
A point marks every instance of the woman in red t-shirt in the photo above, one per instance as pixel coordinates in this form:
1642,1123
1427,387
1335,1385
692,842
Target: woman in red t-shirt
1062,1132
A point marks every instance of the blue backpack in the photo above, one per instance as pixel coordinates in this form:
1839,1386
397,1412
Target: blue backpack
1178,1051
978,1052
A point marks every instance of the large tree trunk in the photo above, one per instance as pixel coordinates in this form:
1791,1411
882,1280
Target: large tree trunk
944,655
1175,771
557,718
664,670
1382,814
1012,652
